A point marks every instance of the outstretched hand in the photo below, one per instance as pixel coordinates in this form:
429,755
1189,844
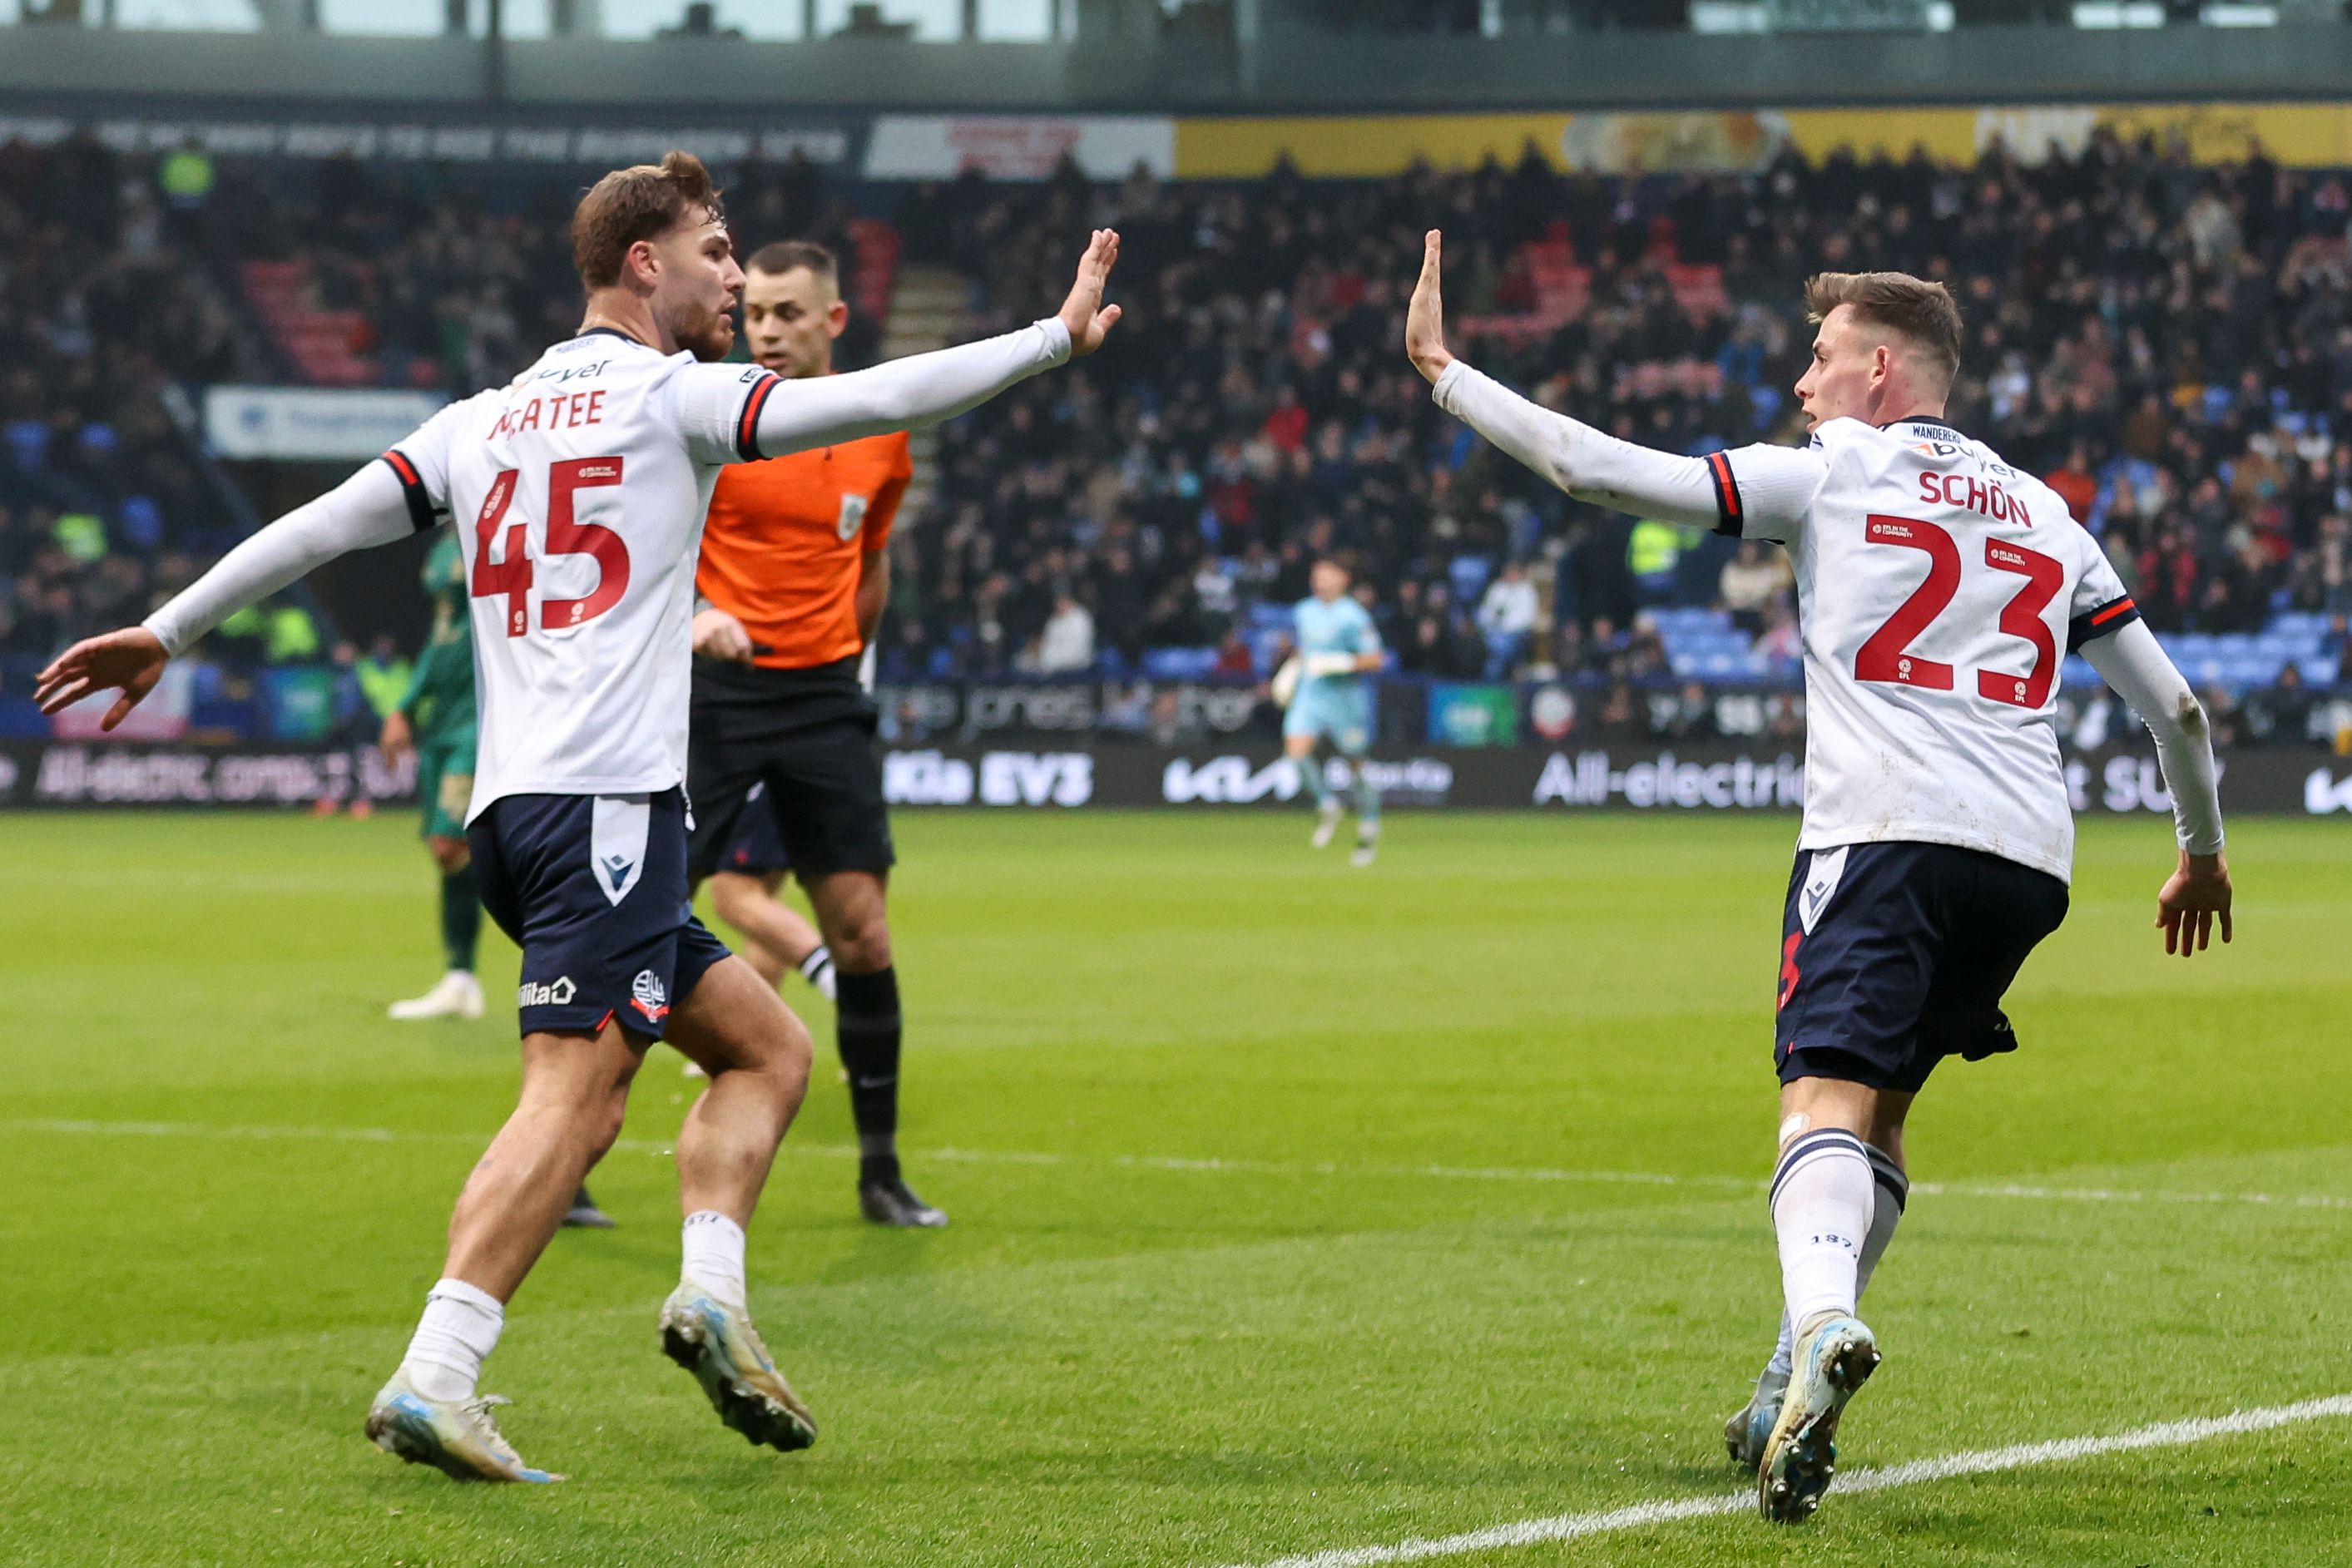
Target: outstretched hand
131,660
1083,313
2192,896
1424,318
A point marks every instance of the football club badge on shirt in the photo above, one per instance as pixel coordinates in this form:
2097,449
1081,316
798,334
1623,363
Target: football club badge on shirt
853,514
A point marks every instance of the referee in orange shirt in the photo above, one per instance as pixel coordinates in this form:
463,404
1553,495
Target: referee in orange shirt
793,578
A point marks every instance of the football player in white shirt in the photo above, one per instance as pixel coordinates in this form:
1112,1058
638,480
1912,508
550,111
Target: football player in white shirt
579,491
1937,591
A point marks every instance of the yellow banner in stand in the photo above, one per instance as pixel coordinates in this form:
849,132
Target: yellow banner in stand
2309,135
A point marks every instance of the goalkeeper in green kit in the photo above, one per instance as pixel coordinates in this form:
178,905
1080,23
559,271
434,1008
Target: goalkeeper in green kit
434,718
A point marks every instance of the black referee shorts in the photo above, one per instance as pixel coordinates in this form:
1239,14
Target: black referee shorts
808,736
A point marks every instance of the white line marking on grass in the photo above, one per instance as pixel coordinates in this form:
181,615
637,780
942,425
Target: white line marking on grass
664,1147
1984,1461
2115,1195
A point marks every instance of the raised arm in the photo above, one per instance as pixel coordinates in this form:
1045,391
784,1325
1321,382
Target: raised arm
904,394
2132,661
371,507
924,388
1760,492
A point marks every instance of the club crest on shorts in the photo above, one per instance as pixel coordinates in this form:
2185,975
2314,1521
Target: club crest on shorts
649,997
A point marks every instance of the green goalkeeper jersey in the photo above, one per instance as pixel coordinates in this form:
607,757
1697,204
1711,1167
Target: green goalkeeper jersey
440,698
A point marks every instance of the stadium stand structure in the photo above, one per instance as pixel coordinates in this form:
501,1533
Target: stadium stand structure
2171,344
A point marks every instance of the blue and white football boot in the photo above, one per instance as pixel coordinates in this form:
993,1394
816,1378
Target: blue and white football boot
717,1343
1800,1456
458,1438
1746,1433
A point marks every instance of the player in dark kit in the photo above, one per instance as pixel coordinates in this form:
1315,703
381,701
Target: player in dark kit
793,579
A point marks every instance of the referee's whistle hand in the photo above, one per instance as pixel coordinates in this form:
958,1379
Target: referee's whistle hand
719,635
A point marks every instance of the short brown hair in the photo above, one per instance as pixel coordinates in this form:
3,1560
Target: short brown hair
642,202
786,254
1922,312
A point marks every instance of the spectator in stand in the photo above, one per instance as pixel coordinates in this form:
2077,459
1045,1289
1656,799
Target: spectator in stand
1066,646
1751,582
2168,582
2173,343
2281,714
1507,616
1780,641
2074,484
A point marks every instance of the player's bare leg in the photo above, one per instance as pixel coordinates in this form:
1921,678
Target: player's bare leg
1826,1194
575,1091
757,1054
852,911
776,939
1744,1433
1300,750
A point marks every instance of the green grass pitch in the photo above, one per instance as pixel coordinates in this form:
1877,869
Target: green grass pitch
1289,1214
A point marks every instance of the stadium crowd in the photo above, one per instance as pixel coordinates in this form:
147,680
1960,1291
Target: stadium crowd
2170,345
103,507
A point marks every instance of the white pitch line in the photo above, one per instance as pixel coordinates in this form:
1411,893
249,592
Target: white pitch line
2117,1195
1984,1461
1534,1173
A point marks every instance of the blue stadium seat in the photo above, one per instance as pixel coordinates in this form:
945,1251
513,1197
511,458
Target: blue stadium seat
1178,664
1469,574
2250,670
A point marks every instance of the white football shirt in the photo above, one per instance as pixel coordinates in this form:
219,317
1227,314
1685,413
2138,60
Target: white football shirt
1939,590
578,492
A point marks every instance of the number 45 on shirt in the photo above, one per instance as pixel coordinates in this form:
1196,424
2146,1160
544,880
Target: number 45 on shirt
511,574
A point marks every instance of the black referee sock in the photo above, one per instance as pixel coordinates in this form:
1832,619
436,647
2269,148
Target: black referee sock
865,1029
461,917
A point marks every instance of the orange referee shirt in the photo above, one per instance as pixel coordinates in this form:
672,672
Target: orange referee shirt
786,541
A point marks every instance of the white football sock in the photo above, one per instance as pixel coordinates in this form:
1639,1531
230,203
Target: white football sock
714,1255
1893,1191
817,970
1822,1198
460,1328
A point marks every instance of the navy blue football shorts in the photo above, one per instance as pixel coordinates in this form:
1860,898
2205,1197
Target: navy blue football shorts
1895,956
755,848
592,889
